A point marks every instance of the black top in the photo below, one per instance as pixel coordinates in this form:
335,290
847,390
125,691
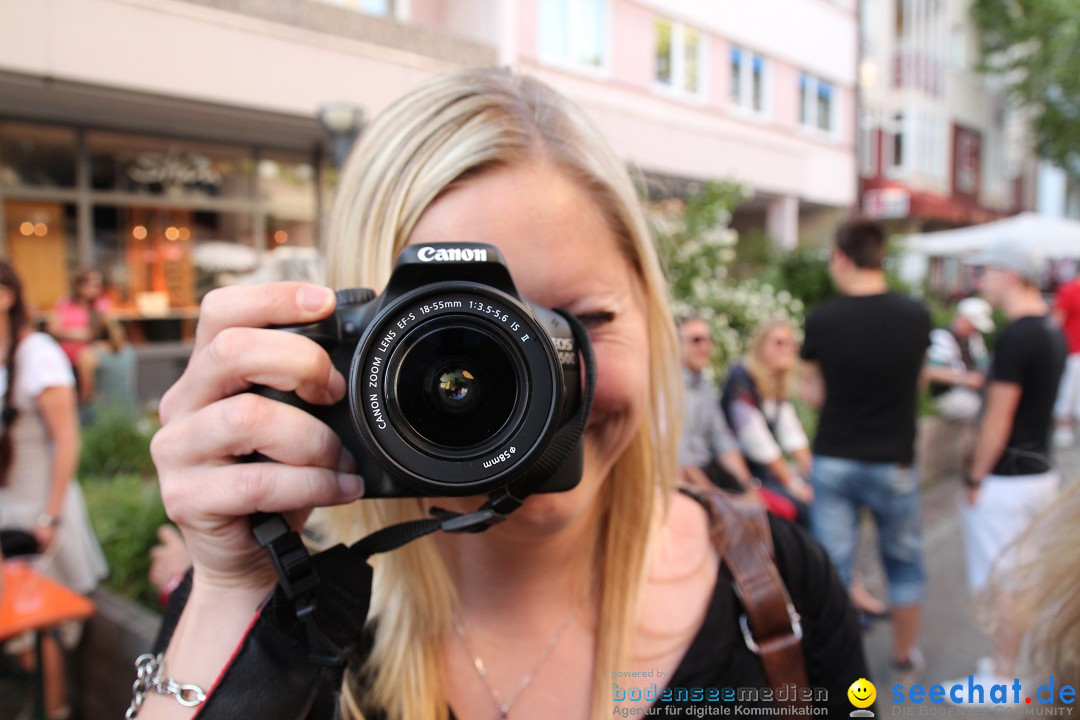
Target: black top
1030,352
270,668
870,349
719,659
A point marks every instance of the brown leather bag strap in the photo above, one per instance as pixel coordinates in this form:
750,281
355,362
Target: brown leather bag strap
769,624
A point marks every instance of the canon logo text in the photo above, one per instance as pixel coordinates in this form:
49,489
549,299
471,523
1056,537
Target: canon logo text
430,254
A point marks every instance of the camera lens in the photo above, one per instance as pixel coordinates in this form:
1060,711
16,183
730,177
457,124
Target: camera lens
455,389
456,385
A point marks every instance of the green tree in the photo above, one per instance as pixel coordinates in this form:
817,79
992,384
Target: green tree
1032,45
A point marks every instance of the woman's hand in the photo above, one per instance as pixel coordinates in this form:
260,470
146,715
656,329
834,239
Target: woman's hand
801,490
45,536
208,422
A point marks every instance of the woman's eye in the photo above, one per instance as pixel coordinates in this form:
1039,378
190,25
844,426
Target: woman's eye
596,319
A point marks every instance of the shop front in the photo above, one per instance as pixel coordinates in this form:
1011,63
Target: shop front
166,219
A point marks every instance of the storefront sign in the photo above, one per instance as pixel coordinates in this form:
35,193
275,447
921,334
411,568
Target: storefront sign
174,170
885,203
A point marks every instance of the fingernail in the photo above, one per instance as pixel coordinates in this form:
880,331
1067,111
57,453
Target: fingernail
346,463
336,385
350,485
314,299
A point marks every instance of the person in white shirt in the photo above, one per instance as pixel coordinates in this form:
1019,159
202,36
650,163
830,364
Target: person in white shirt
956,366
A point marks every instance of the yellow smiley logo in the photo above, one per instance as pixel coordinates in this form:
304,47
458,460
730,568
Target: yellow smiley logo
862,693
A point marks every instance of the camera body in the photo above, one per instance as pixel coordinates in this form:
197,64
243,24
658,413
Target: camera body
456,385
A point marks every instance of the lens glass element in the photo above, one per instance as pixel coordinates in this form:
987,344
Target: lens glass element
456,386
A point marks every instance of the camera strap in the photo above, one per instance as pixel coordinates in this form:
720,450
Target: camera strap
318,609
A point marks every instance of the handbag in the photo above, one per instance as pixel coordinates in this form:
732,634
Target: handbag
18,542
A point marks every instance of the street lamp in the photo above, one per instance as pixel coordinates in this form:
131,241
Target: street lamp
343,122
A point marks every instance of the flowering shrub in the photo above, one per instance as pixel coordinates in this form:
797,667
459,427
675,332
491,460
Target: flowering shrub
698,250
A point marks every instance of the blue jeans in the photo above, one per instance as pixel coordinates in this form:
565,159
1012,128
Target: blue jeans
891,493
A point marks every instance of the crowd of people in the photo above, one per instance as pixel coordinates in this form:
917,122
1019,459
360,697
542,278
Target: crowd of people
626,572
862,355
865,355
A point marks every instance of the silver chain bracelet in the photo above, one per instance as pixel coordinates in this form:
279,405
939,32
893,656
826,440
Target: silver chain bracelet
150,677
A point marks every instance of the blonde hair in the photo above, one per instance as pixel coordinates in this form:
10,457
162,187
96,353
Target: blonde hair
770,384
449,129
1035,591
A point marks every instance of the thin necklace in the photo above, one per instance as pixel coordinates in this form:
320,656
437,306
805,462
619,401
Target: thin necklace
481,670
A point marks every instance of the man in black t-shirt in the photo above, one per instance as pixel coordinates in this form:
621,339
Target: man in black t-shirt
1012,473
863,353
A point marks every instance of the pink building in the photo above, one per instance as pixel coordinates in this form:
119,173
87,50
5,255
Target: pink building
690,90
142,135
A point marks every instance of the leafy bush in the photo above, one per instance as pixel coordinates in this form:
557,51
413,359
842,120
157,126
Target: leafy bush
116,443
804,273
126,511
755,255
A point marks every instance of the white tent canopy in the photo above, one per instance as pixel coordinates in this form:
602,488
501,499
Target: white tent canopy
1053,238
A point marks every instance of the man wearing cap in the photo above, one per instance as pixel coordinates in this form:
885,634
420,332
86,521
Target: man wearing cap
1012,468
956,367
1012,474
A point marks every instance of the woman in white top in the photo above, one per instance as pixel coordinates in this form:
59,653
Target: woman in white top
757,403
39,451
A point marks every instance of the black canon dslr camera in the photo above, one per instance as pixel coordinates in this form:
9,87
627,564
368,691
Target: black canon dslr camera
456,384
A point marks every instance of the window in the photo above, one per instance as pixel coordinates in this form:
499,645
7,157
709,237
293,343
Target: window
749,78
36,156
41,242
574,32
380,8
897,134
869,149
679,57
824,105
817,104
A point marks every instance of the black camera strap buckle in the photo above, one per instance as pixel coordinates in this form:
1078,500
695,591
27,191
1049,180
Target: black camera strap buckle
493,512
473,522
291,559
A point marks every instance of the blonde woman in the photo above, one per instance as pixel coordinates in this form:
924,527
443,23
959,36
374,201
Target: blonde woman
757,403
532,617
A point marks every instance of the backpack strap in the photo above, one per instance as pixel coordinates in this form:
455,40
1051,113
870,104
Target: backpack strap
770,624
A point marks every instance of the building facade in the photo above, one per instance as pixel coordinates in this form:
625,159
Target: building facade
939,145
175,143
